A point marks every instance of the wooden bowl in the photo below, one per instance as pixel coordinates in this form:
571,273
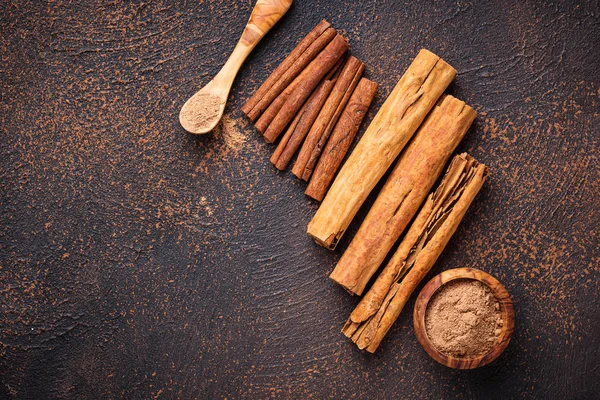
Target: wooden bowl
506,310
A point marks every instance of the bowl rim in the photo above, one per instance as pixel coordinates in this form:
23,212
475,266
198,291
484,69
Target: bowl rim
506,309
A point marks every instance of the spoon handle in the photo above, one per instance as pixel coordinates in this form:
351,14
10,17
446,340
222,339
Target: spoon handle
265,14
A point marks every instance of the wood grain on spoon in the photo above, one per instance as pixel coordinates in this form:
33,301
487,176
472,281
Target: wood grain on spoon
203,111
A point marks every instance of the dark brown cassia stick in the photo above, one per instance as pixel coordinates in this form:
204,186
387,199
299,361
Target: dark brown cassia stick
395,123
284,67
265,119
335,103
290,67
308,81
417,253
342,137
263,122
316,154
301,125
418,167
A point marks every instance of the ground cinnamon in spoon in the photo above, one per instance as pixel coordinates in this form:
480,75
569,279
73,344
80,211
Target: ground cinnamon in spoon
202,110
463,318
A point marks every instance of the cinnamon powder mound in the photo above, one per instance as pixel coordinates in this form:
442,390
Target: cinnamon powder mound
463,319
203,110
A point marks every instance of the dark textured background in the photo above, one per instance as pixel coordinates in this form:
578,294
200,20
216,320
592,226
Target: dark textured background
138,261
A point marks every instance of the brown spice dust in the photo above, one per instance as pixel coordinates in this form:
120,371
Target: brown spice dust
463,318
231,133
202,110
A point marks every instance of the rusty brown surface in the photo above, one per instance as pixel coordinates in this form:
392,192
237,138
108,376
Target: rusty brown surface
137,261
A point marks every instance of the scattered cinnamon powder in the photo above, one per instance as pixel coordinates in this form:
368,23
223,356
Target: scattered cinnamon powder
232,134
463,318
202,110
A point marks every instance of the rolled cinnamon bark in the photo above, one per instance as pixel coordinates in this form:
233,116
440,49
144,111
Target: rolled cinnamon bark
424,242
305,118
263,122
271,112
290,67
330,113
316,153
300,125
342,137
304,84
418,168
395,123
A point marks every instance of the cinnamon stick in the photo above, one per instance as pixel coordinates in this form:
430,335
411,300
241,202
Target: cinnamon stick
300,125
271,112
342,137
418,168
289,69
430,232
325,122
395,123
304,84
316,153
263,122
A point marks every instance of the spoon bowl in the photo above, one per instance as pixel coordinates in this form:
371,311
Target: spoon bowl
202,112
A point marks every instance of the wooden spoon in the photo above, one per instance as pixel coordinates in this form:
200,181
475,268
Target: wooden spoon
201,113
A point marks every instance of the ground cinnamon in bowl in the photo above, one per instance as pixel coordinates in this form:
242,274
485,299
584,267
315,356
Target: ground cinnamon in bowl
463,319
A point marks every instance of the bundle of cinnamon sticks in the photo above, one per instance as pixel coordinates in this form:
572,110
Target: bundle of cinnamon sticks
318,97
